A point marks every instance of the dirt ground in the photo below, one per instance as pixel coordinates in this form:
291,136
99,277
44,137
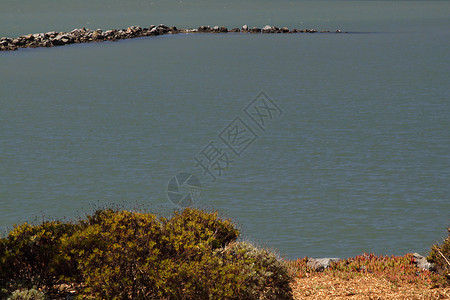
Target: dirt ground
362,287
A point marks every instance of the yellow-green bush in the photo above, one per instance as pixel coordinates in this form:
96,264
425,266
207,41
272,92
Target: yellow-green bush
129,255
440,257
29,255
110,252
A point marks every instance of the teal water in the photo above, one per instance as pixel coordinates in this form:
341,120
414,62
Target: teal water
358,161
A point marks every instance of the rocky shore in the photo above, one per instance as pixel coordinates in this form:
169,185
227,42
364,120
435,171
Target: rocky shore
83,35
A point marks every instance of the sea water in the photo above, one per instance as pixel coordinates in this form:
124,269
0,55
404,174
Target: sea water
354,157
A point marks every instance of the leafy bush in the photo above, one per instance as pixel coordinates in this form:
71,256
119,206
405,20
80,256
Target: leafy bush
129,255
29,255
32,294
192,232
266,276
112,250
440,257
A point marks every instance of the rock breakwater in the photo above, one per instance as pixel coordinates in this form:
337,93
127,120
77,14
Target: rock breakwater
83,35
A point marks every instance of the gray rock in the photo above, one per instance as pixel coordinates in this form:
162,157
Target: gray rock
154,31
51,34
162,28
204,29
320,264
96,35
245,28
29,37
267,29
422,263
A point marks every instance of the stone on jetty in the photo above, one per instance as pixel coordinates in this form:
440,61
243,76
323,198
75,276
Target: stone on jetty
255,30
267,29
204,29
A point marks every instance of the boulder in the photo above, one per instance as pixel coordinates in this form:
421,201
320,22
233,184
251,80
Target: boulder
51,34
235,30
267,29
422,263
320,264
154,31
245,28
162,28
97,36
29,37
60,39
204,29
255,30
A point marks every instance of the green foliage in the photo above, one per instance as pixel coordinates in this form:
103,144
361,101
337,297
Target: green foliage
31,294
29,255
440,257
129,255
112,251
192,232
264,275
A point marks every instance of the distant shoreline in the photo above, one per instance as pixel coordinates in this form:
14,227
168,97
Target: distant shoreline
83,35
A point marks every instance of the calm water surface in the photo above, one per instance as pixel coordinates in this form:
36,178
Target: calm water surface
358,161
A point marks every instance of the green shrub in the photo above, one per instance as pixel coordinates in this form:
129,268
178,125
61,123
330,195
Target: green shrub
31,294
129,255
266,276
29,255
111,252
440,257
193,231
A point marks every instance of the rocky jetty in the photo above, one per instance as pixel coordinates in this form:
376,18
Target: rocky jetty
83,35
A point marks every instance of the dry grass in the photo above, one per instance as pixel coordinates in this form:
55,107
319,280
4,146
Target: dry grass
362,287
366,277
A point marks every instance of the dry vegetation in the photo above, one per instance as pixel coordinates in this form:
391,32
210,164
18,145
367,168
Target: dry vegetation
367,277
